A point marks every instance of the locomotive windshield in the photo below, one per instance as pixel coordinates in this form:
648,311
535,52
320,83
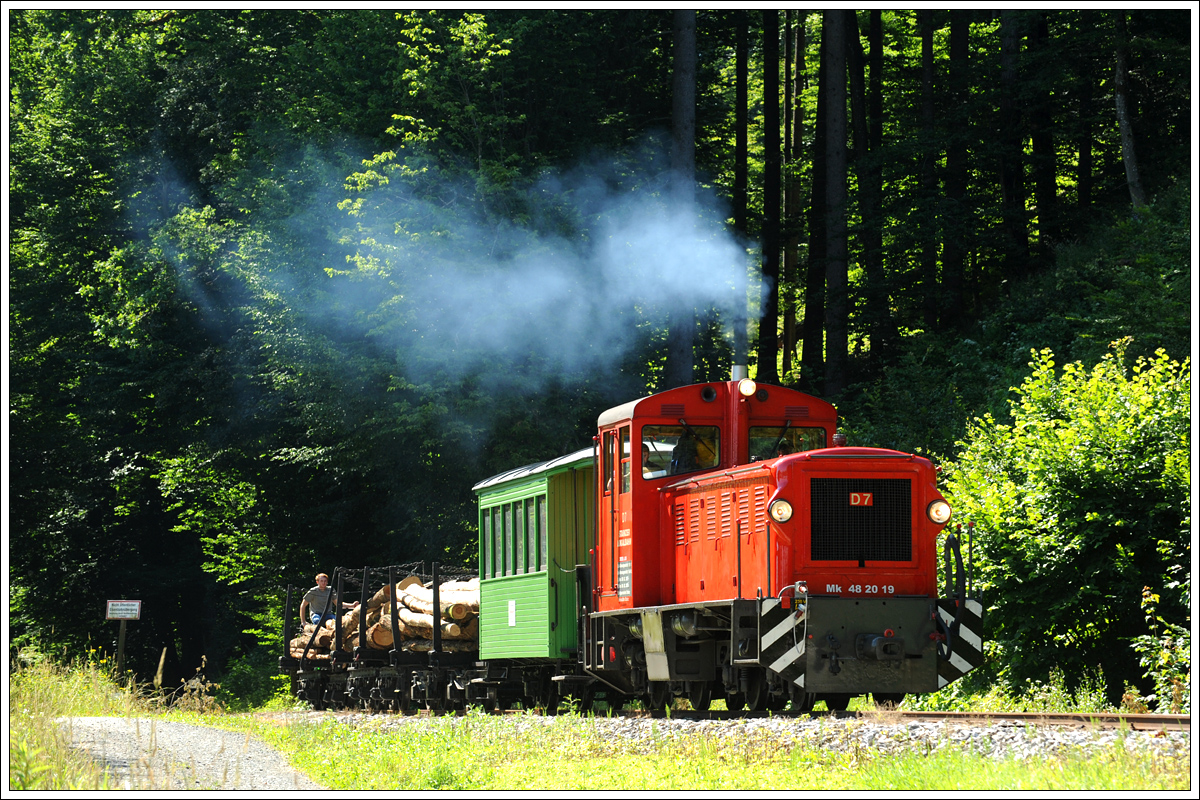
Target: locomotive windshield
677,449
781,440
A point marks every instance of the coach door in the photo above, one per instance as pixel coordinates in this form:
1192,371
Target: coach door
613,567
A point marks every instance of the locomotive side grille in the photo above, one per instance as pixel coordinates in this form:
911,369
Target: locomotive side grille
796,412
680,523
694,519
760,509
671,410
861,519
726,513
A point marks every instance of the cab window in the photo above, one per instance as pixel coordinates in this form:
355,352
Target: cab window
774,441
677,449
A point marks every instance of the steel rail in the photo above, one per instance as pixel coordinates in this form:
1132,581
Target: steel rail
1078,719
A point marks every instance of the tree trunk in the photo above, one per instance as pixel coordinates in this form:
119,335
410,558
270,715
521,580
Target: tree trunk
867,142
741,344
812,356
1084,169
928,177
1045,181
956,226
1012,184
836,267
681,328
791,213
1121,91
768,327
883,333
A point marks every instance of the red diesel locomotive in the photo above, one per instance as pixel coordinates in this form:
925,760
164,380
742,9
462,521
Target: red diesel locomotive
741,551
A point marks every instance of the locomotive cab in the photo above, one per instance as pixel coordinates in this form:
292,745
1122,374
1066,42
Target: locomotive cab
674,438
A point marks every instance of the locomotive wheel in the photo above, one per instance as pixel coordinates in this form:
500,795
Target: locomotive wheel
658,697
837,702
757,694
776,702
735,701
887,699
803,702
547,698
700,695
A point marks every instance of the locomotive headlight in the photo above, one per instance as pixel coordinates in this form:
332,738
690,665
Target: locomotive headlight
780,510
747,387
939,512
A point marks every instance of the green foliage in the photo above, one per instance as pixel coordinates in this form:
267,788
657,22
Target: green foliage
1166,655
252,681
1077,505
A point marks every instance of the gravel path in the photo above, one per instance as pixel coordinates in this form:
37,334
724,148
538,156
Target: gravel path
142,753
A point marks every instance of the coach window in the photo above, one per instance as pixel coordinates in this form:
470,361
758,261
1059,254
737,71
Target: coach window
543,533
626,461
485,539
610,457
497,542
531,536
780,440
677,449
519,536
509,554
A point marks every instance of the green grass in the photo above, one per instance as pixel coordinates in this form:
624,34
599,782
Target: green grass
482,752
40,691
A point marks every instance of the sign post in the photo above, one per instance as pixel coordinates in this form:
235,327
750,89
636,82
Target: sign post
123,610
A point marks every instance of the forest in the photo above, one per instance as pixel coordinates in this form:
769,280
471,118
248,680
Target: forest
283,285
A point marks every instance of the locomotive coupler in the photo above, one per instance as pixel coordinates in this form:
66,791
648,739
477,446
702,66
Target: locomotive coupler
879,647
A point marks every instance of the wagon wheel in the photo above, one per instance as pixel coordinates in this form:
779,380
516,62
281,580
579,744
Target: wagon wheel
887,699
582,700
776,702
735,701
700,695
542,696
837,702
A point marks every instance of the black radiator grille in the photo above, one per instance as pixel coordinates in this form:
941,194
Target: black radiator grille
847,525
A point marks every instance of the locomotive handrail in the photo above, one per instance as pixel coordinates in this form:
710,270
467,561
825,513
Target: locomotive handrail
907,456
955,575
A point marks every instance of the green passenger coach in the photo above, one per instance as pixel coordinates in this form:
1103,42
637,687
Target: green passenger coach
535,525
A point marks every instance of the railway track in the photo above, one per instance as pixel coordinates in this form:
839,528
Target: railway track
1105,721
1176,723
1101,721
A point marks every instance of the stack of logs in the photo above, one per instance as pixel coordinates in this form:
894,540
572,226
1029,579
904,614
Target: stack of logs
458,618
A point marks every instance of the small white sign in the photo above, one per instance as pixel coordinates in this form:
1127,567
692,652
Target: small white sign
124,609
512,613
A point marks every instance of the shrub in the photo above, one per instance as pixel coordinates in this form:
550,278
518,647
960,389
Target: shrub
1078,504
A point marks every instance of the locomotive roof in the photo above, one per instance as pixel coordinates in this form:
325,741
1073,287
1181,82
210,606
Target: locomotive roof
562,462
